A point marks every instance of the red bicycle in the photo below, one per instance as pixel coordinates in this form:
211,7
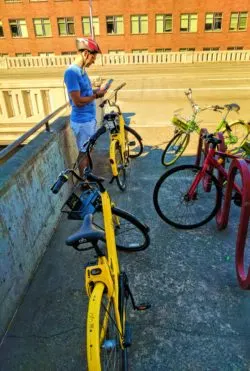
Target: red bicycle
189,196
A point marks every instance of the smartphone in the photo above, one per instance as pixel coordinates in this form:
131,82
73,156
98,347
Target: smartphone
107,85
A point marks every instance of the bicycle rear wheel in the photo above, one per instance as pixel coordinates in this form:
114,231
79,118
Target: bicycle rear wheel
236,137
135,146
173,206
104,351
174,149
121,176
130,234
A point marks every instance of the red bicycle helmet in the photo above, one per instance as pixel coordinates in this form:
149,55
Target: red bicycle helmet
91,45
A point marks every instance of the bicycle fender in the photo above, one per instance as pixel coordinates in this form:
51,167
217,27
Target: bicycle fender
112,157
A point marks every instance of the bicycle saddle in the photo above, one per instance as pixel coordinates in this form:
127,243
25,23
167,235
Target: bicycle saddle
232,107
87,233
210,138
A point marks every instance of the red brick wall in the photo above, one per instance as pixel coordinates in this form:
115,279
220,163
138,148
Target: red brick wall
77,8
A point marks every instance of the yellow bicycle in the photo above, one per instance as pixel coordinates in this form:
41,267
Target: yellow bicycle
108,333
125,142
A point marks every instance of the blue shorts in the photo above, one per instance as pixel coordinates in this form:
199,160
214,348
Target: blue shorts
83,132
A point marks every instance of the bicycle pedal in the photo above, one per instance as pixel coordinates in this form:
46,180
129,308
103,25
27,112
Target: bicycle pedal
128,336
143,306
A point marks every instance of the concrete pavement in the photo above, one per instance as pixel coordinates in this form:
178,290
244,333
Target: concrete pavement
199,318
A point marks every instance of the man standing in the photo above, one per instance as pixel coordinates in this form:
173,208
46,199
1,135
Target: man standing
82,97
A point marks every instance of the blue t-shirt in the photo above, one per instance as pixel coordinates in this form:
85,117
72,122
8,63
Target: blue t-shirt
77,79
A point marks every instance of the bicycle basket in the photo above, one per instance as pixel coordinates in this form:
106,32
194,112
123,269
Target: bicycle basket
81,203
179,123
111,121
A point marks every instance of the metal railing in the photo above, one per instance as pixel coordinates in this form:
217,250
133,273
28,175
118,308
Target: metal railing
11,147
130,58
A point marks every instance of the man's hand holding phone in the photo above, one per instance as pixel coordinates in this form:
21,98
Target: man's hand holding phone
103,89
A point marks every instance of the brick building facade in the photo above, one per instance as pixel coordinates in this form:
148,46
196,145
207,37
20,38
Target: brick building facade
49,27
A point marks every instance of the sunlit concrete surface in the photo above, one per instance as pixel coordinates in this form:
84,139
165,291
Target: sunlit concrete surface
199,319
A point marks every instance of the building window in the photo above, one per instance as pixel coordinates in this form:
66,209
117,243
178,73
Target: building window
139,51
165,50
46,54
3,55
66,26
238,21
69,53
235,48
139,24
18,28
42,27
86,27
163,23
115,25
210,49
115,52
23,54
1,29
213,22
12,1
189,23
186,49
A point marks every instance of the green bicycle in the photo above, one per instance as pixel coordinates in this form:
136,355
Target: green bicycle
235,133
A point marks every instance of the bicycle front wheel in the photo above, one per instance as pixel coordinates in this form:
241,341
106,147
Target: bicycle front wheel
173,205
135,146
104,351
235,137
175,148
121,176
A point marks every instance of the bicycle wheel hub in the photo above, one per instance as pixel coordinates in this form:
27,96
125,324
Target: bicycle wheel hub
109,344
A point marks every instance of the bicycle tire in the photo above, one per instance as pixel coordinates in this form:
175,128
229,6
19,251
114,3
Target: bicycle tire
240,131
171,205
177,145
103,339
131,235
121,170
132,136
123,306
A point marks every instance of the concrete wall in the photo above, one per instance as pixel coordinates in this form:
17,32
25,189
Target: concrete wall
29,212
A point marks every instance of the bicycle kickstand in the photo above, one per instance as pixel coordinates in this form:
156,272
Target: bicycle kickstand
142,306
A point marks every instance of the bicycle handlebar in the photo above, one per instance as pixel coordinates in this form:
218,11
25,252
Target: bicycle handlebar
196,108
114,94
62,178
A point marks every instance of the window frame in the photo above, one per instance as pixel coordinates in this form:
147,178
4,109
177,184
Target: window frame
239,14
67,24
42,26
115,23
213,29
1,29
189,22
139,20
96,21
164,22
19,28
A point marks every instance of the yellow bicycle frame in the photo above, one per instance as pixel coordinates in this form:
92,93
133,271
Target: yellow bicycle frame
102,276
117,138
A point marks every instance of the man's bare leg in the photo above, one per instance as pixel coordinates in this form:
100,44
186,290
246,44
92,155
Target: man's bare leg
82,161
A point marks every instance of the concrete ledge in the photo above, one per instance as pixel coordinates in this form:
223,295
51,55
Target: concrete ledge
29,212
